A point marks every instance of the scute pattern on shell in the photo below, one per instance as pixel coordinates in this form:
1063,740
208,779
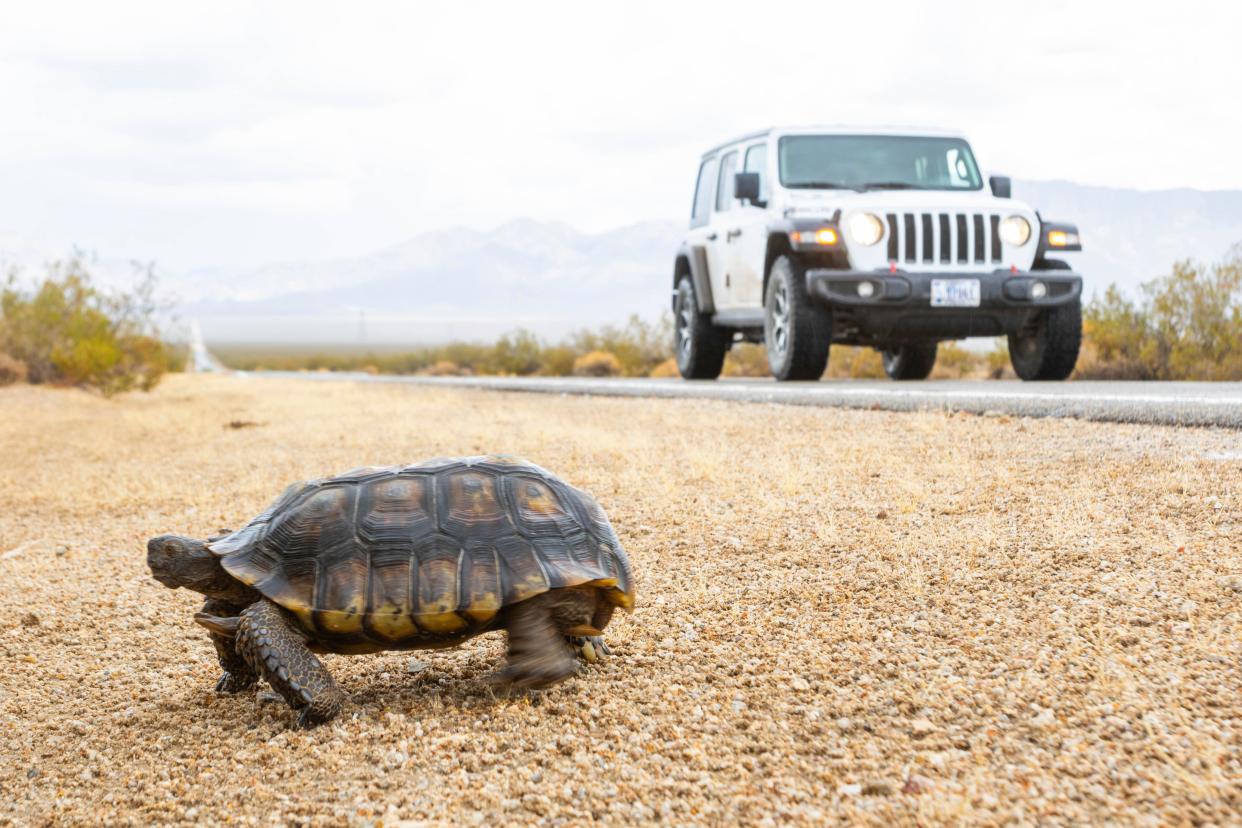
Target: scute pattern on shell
381,557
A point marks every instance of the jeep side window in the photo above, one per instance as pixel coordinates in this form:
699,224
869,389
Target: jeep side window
703,193
724,186
757,162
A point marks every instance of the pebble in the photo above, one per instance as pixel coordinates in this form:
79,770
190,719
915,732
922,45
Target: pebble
921,727
1230,582
414,666
852,789
799,683
1045,718
916,785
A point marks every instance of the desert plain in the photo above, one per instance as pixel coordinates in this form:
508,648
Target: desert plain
843,617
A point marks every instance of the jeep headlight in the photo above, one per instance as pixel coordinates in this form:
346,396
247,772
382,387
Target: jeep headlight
866,229
1015,230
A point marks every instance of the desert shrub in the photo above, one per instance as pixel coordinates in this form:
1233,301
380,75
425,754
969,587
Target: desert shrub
667,368
517,353
638,346
955,362
558,361
69,332
854,362
11,370
997,360
443,368
746,359
597,364
1186,325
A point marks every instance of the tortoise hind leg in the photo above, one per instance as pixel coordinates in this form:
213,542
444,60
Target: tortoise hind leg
538,652
276,650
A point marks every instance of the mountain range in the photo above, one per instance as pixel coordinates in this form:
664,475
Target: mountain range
550,278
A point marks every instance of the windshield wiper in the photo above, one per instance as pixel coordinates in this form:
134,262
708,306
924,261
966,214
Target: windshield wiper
889,185
824,185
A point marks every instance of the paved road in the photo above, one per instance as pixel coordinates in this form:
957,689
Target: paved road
1169,403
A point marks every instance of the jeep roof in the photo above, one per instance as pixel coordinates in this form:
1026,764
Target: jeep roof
839,129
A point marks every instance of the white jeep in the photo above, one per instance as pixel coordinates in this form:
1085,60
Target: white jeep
800,238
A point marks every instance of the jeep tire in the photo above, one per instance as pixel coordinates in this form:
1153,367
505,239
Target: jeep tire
909,362
796,332
700,347
1048,349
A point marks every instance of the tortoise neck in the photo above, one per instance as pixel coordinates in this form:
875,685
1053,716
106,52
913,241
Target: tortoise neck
211,579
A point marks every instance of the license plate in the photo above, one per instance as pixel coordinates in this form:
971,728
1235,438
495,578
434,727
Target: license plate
955,293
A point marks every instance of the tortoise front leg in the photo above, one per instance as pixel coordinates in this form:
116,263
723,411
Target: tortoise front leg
238,675
276,649
587,640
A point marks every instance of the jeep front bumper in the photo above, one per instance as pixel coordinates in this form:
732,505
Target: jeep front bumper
895,305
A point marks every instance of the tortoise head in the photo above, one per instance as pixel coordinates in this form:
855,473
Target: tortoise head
177,561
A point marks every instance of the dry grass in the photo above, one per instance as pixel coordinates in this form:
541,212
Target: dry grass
844,616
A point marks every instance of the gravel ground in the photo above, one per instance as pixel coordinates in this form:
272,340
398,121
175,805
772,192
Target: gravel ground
844,616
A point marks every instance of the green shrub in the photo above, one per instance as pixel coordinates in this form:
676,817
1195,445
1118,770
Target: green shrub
1186,325
68,332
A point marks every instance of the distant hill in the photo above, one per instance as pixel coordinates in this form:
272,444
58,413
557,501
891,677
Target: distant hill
551,278
453,284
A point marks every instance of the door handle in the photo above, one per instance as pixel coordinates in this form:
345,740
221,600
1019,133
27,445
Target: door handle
711,236
733,234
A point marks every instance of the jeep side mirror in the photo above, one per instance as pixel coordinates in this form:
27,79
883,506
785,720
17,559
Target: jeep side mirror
1001,186
746,187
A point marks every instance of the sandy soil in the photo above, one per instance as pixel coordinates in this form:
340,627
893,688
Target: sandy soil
843,617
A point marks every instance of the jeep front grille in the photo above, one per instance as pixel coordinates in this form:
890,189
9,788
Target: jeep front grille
943,238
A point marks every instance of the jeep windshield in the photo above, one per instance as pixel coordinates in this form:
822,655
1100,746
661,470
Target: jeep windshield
877,162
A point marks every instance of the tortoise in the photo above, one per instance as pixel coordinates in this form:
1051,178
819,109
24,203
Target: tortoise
405,557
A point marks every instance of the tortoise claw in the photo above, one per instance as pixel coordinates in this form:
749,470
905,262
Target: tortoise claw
309,718
231,683
590,647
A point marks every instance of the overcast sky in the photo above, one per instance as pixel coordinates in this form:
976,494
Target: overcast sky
237,134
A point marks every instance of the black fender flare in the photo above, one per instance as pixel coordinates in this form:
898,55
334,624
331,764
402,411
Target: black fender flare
692,260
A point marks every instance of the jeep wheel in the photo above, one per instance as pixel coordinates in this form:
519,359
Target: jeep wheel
700,345
796,332
1048,349
909,362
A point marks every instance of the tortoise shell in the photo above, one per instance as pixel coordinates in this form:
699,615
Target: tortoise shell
406,556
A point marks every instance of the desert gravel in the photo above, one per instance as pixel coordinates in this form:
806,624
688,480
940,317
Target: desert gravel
844,617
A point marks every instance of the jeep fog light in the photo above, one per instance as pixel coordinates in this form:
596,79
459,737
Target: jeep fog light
1015,230
866,290
1038,290
866,229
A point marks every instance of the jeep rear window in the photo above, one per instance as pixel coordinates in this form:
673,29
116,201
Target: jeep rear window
879,162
